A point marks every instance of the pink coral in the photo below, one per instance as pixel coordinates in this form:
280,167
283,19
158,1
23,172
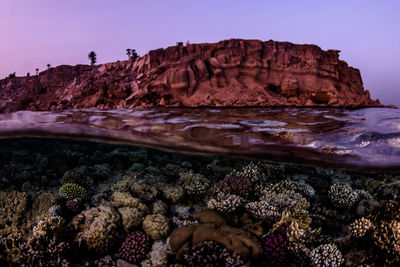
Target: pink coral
274,247
135,247
240,186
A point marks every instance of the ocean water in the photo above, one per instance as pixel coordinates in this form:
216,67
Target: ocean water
200,187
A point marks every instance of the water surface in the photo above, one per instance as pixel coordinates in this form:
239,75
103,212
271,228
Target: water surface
356,139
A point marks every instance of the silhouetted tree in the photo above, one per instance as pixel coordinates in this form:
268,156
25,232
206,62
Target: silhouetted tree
11,75
28,74
92,56
134,55
37,71
48,66
128,52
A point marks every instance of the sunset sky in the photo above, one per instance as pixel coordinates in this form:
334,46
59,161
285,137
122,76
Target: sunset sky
35,33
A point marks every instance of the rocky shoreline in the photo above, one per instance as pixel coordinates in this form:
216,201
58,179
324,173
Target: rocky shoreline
230,73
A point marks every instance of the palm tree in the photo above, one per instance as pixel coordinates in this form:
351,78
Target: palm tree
128,52
37,71
48,66
92,56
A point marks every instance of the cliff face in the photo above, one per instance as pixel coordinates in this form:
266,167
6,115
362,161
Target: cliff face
227,73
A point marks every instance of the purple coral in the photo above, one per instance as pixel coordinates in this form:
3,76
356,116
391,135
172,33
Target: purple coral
240,186
135,247
73,205
274,248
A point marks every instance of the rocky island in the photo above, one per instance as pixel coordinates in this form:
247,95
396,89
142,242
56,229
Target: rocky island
230,73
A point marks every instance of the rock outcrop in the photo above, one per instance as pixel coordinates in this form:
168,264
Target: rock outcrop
228,73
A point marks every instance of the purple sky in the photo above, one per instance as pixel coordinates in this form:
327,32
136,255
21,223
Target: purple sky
35,33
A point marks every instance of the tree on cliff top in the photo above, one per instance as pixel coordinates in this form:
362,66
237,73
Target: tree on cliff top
132,55
37,71
92,56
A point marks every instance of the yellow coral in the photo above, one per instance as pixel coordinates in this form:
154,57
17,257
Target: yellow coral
71,191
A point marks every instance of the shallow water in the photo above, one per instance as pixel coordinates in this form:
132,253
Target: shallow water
355,139
288,187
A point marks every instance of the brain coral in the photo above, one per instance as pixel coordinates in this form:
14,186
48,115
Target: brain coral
156,226
98,228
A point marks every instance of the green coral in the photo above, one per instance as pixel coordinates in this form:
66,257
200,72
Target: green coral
71,191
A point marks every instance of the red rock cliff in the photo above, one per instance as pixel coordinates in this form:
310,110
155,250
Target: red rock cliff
228,73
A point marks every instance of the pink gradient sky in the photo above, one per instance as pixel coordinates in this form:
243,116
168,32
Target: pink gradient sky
35,33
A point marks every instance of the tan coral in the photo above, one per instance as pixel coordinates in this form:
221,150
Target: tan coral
387,236
360,227
123,199
156,226
131,218
173,193
98,228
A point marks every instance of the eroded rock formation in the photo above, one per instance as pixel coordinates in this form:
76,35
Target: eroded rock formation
228,73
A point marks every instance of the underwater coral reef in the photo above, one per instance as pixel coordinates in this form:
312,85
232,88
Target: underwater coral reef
70,203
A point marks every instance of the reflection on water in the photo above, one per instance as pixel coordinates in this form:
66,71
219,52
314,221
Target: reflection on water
362,139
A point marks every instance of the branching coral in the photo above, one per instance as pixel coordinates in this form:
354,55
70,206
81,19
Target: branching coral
327,255
45,247
342,195
241,186
262,210
211,253
194,184
225,203
360,227
387,237
251,171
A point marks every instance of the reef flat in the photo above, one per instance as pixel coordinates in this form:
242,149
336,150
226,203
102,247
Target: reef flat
70,203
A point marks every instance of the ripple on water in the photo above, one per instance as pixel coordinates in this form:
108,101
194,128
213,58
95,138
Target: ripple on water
370,137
